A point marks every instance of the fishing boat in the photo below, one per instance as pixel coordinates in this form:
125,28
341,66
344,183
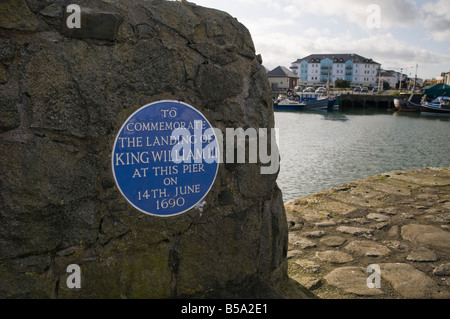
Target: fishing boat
440,105
406,105
288,104
320,103
310,100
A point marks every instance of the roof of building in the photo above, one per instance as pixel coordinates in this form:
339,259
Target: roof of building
337,58
281,71
389,73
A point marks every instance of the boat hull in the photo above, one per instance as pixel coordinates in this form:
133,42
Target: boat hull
436,110
334,102
287,108
283,106
316,104
440,105
323,103
406,106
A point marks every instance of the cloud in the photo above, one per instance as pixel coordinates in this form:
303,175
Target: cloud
411,31
401,13
264,24
437,19
398,13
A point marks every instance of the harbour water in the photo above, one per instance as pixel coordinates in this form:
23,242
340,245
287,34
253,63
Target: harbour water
320,150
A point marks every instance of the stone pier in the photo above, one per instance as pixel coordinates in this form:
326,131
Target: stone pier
399,222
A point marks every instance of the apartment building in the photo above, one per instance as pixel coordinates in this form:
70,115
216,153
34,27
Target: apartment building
316,69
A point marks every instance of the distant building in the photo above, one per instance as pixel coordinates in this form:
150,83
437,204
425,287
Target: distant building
446,78
391,77
419,83
429,82
315,69
282,79
398,80
440,78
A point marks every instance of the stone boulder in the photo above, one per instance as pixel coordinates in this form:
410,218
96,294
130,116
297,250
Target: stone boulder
64,94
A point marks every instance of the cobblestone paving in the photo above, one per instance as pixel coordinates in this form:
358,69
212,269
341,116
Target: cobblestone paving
397,223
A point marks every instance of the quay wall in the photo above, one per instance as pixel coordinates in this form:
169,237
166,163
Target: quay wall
349,100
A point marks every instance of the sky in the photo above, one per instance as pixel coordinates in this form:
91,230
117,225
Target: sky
399,34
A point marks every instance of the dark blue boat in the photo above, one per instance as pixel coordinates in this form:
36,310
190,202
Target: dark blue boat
439,105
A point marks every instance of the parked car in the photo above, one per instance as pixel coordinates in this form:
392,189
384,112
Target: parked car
321,90
357,89
375,89
365,90
309,89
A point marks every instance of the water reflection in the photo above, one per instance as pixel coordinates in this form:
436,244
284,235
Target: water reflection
425,116
331,115
335,115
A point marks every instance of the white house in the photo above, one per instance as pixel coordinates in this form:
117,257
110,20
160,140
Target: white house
392,77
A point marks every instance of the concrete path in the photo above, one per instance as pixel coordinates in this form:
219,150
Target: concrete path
386,236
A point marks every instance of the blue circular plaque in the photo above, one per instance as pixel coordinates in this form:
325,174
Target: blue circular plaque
165,158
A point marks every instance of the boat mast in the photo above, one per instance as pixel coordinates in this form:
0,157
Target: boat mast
328,82
415,77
